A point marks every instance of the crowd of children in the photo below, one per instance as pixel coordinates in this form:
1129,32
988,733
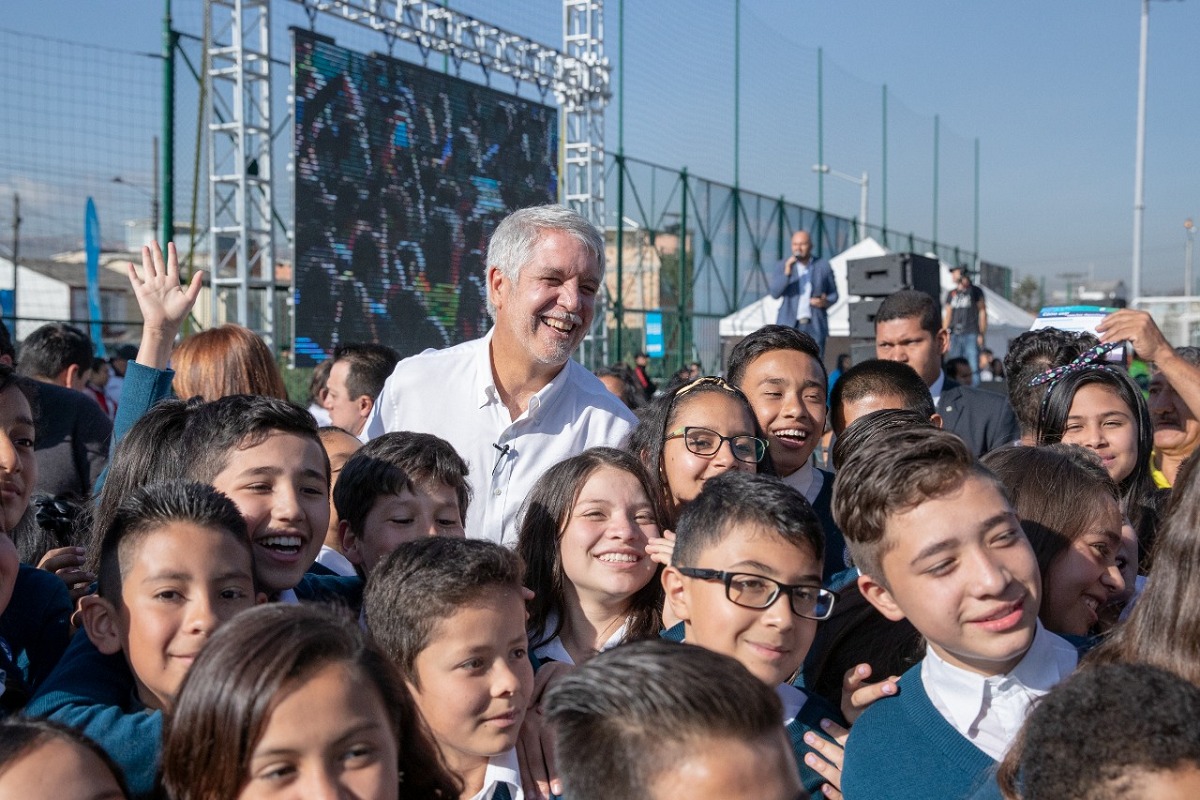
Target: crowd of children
266,608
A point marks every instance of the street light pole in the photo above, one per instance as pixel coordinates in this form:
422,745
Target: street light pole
1139,166
863,184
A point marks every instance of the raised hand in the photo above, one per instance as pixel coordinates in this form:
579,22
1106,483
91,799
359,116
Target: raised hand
164,303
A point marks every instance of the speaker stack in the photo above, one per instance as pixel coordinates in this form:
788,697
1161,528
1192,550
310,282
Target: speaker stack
871,280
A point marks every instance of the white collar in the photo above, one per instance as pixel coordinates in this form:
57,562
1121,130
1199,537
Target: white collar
554,650
935,390
807,481
502,769
485,378
332,559
793,700
289,596
994,705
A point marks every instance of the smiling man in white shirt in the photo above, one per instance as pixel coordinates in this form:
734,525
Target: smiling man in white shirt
513,403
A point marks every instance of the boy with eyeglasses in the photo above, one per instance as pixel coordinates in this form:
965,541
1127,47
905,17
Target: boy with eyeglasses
745,579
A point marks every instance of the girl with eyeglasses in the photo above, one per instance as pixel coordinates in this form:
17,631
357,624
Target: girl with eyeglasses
696,432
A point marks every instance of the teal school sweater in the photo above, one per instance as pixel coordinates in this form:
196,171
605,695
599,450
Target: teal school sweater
901,747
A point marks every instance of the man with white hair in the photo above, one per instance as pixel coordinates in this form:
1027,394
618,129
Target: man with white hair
513,403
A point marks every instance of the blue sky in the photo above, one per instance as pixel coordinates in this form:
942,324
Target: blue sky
1048,88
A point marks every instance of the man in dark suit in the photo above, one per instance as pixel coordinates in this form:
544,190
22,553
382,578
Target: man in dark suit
807,288
908,329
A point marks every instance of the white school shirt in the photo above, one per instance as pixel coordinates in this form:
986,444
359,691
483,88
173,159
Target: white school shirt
451,393
554,650
989,711
807,480
792,699
502,769
332,559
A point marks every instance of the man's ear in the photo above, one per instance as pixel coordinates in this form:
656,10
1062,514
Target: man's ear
349,543
942,340
676,592
496,281
937,420
879,596
365,404
101,623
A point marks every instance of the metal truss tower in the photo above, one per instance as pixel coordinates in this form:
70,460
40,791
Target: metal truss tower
238,104
583,109
239,117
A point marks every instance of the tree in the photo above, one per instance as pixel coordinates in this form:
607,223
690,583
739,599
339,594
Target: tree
1025,294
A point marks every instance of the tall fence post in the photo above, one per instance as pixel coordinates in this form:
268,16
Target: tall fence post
170,41
619,302
782,210
683,271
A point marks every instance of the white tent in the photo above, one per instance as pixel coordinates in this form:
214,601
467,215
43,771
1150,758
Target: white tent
1005,320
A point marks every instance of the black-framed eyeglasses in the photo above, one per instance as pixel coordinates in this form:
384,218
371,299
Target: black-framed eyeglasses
706,442
758,591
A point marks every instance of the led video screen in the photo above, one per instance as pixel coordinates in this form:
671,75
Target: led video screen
402,173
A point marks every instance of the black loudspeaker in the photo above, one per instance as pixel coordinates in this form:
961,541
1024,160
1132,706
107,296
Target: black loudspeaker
882,275
861,351
862,317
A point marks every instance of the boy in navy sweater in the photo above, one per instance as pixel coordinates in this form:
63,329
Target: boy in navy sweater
745,579
450,613
174,566
659,720
398,487
937,542
781,372
264,454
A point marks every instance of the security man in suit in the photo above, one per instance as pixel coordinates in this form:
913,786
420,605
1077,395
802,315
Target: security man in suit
807,288
908,328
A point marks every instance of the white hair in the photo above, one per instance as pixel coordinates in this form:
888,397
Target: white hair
512,243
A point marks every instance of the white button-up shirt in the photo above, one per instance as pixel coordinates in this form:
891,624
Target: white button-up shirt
807,480
452,393
502,769
989,711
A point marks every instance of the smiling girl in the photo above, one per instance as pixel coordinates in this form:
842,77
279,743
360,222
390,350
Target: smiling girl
587,541
700,430
1099,407
292,701
1070,513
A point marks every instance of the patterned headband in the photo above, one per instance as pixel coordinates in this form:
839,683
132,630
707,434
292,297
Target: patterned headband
1088,359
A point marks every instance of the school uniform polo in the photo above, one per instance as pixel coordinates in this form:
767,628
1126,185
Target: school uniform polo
502,780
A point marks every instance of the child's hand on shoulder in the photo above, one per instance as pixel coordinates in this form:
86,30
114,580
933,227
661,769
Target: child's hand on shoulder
857,694
826,756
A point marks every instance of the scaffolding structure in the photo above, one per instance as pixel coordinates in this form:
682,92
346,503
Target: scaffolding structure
239,126
238,110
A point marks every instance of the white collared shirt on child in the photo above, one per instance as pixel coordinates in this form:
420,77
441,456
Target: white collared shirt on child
502,769
989,711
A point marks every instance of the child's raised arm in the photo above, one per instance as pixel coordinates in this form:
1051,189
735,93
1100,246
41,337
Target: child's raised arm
164,302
